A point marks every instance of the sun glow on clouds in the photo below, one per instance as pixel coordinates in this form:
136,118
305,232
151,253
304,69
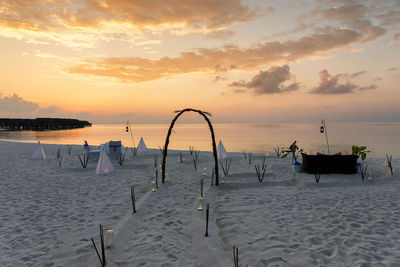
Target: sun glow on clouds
85,55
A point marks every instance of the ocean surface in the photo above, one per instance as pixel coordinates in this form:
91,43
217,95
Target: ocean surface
380,138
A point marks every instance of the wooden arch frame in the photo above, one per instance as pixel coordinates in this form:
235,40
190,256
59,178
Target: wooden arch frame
165,150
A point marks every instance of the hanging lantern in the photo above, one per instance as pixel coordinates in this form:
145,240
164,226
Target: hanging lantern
127,129
321,129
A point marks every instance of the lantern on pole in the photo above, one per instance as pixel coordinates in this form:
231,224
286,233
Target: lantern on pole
323,130
128,129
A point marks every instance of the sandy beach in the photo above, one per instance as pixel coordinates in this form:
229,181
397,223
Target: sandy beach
49,213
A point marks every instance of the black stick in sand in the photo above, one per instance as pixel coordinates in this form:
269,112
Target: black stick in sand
389,163
236,256
157,178
201,188
212,177
103,253
207,215
98,255
133,198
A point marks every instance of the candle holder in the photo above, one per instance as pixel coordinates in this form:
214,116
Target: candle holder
109,238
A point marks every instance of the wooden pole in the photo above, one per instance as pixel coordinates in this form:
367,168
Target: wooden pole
207,215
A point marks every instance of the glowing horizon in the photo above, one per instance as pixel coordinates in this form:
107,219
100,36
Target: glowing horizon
243,61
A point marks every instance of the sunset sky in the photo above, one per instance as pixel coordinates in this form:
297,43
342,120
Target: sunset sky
108,61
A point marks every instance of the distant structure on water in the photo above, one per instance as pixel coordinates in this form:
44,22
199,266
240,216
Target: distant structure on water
41,124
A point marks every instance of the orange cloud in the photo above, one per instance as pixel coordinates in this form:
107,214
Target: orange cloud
135,69
61,14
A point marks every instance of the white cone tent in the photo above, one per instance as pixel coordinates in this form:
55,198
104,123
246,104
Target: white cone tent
104,165
141,146
221,150
39,152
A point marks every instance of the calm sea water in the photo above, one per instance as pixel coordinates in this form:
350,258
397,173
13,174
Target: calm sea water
380,138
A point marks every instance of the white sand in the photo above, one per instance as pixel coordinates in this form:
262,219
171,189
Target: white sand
48,214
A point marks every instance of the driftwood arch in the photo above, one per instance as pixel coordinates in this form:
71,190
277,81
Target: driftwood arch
165,150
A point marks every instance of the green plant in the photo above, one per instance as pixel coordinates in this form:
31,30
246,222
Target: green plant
293,150
360,151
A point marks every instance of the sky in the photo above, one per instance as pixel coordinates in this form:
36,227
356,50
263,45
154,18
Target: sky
109,61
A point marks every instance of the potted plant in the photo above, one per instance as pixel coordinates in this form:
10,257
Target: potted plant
294,151
360,151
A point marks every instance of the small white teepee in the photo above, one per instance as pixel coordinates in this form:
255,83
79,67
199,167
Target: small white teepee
104,165
39,152
141,146
221,150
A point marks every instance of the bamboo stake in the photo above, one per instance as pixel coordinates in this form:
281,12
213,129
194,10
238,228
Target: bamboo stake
98,255
133,198
207,215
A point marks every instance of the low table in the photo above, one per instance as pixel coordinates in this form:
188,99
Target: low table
322,163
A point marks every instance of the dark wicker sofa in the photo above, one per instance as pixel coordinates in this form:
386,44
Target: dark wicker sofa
345,164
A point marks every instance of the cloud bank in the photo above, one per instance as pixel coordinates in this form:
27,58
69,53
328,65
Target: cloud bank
14,103
211,60
271,81
330,85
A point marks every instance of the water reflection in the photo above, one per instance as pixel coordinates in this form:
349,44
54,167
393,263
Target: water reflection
381,138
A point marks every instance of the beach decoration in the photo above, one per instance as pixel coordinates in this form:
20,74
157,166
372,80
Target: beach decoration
58,158
260,171
214,146
109,238
212,177
104,165
249,157
236,256
294,151
317,176
201,189
141,146
133,199
323,130
222,154
200,207
156,179
102,259
207,215
195,156
226,167
128,129
362,152
388,163
155,157
278,151
69,148
84,160
121,157
39,152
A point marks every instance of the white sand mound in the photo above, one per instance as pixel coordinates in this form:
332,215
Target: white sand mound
49,213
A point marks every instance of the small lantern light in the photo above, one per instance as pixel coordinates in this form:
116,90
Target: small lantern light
321,129
127,129
109,238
